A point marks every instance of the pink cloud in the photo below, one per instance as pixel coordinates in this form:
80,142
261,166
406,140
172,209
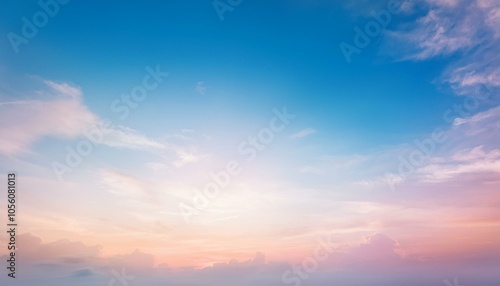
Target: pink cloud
375,260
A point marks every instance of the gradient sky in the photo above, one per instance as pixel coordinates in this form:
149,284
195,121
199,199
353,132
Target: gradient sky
392,156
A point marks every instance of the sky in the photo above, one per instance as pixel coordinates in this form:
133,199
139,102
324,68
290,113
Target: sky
239,142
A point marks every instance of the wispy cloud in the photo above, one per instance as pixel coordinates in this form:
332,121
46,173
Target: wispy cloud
185,156
487,116
62,114
468,27
201,87
448,27
157,167
24,122
471,149
126,185
65,89
124,137
470,161
303,133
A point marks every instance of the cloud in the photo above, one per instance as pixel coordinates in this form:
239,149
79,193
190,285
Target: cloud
121,136
476,153
65,89
467,34
58,251
449,27
376,260
201,87
336,165
187,155
469,161
60,112
303,133
136,260
468,27
487,117
185,148
157,167
24,122
377,248
471,149
120,183
83,273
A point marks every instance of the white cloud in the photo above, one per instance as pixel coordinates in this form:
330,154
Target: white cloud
469,27
448,27
311,170
471,148
303,133
201,87
65,89
62,114
157,167
24,122
120,183
475,153
188,156
121,136
470,161
488,118
492,18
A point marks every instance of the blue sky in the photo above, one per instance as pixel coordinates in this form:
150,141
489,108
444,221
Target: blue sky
394,153
292,59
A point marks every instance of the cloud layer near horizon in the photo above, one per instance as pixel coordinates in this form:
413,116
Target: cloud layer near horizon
374,261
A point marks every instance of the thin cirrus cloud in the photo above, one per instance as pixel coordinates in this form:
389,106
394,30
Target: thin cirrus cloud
475,161
466,27
303,133
121,136
201,87
119,183
440,32
188,156
470,149
488,117
469,27
65,89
